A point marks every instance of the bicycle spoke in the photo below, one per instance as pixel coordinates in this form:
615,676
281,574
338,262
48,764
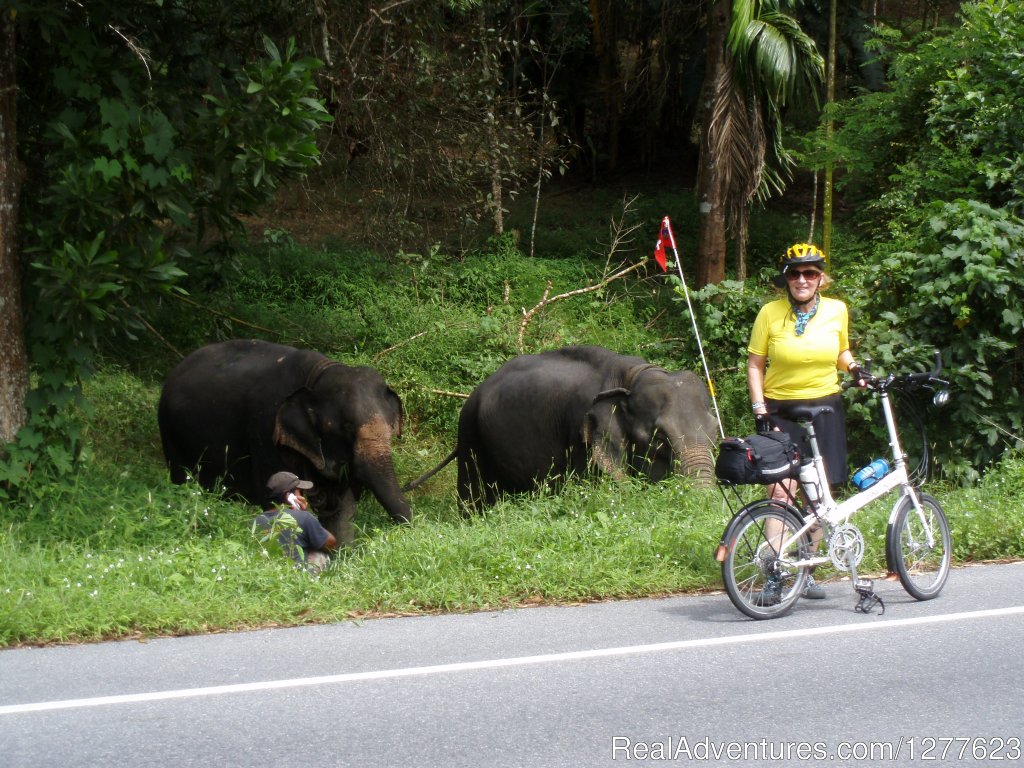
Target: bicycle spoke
921,567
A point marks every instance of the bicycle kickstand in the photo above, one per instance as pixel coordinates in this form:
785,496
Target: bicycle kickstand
868,598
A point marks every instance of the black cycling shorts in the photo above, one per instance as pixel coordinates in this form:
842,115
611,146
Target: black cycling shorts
829,428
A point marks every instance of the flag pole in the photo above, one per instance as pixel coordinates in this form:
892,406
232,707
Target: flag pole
666,225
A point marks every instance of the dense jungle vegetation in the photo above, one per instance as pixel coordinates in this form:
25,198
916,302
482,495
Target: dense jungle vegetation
350,223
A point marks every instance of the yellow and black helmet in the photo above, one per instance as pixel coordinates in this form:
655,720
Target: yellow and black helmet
798,255
802,253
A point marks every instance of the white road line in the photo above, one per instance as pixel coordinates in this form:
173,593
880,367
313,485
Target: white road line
547,658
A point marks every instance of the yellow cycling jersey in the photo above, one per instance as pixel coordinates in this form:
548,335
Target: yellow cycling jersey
800,367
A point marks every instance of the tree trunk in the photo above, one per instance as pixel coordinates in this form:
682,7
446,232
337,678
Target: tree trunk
830,93
490,119
710,182
742,238
13,358
603,25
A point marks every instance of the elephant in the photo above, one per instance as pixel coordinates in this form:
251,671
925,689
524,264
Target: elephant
238,411
542,417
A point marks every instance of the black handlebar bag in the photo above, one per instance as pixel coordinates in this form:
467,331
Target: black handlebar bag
757,459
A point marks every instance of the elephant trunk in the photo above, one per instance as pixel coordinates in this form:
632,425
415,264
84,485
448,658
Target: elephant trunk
601,457
696,461
603,461
375,468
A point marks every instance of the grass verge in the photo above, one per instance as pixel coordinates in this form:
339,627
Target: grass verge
185,561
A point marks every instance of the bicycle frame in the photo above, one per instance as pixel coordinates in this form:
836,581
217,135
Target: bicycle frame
833,513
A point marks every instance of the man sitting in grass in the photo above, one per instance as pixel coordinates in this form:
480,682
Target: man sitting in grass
306,540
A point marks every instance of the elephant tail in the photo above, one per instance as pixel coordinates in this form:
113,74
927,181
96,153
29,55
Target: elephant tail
423,478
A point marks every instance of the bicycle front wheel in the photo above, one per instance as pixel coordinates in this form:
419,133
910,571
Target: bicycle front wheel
759,579
918,547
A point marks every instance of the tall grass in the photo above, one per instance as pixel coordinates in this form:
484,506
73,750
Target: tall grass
118,551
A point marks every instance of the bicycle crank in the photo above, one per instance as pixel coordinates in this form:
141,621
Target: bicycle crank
846,547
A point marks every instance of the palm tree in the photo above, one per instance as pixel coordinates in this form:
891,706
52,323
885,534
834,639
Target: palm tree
758,60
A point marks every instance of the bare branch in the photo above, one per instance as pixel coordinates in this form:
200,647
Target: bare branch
415,336
233,319
150,328
447,393
621,235
134,48
393,347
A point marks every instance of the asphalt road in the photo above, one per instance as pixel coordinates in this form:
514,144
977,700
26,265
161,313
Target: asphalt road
684,680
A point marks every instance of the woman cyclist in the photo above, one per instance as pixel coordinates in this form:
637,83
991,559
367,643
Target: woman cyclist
797,344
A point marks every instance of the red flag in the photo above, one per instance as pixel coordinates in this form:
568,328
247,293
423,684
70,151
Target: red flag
665,240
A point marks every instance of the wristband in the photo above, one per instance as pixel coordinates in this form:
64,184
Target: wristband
755,406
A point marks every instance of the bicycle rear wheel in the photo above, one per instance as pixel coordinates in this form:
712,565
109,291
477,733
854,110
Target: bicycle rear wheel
758,579
921,567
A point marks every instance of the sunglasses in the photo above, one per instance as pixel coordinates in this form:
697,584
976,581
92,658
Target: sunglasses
806,274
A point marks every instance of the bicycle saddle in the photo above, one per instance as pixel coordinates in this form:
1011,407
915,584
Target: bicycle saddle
803,412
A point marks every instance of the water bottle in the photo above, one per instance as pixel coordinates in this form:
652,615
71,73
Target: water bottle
809,481
867,476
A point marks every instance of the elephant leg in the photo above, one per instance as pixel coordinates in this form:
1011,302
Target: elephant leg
471,485
340,523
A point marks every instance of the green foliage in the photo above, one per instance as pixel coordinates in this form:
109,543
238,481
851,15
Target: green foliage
975,111
777,63
725,313
135,143
947,127
934,165
266,121
960,293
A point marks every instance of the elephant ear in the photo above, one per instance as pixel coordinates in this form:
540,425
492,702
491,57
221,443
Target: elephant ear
604,433
399,414
609,394
295,428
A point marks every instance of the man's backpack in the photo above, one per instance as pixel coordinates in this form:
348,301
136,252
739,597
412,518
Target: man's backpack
757,459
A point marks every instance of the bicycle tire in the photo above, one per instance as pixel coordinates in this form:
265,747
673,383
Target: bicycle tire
922,570
750,559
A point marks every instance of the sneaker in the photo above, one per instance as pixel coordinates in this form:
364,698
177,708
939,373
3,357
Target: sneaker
813,590
770,594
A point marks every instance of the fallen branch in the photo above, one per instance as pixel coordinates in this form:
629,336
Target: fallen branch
232,318
415,336
545,301
149,327
393,347
446,393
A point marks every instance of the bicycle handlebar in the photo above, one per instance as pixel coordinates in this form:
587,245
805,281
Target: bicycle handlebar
903,381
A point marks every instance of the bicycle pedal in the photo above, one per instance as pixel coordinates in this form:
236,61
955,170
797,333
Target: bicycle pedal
867,603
